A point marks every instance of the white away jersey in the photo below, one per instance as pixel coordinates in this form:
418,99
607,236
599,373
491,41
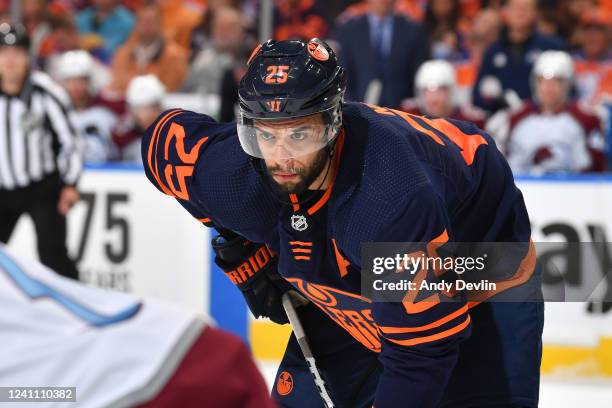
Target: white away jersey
115,349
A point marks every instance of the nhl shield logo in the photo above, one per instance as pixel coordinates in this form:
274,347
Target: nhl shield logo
298,222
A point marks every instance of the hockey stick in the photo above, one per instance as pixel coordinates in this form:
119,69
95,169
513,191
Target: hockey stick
300,335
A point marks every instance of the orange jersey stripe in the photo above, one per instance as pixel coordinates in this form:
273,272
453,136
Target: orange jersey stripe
306,258
294,200
302,250
467,143
408,118
317,206
522,275
433,337
437,323
473,304
300,243
343,264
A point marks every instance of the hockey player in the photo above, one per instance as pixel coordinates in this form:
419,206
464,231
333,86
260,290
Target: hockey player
552,133
144,97
93,120
436,92
116,350
303,180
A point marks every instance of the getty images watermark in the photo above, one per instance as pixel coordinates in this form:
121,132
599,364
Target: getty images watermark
418,262
452,271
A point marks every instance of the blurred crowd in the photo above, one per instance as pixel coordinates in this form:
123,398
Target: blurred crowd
536,74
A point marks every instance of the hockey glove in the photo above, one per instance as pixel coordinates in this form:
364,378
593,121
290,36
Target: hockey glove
253,268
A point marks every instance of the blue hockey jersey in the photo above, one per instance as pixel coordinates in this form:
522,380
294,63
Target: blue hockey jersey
398,178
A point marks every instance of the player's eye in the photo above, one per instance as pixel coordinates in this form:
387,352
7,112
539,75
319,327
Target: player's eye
265,136
298,136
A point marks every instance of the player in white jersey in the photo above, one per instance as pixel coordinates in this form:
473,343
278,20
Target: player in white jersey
437,95
118,351
144,97
94,121
552,134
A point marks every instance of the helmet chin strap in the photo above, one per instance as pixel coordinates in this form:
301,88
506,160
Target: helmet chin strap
259,168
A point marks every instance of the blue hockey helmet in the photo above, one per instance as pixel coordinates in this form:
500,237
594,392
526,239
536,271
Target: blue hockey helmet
286,81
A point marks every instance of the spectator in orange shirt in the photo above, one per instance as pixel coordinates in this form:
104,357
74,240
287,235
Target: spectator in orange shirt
178,21
149,53
594,58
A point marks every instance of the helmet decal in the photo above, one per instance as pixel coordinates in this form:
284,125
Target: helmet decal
277,74
274,106
318,51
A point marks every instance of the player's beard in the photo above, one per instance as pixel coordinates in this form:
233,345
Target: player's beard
307,175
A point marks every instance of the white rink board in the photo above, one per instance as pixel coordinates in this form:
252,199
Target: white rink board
576,204
137,240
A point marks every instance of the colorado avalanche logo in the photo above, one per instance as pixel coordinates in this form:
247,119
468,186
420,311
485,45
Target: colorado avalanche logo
298,222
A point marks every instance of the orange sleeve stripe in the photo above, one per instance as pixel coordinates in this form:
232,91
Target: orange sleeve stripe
302,250
473,304
155,140
300,243
437,323
523,273
433,337
204,219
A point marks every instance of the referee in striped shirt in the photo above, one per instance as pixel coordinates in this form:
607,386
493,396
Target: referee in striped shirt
40,158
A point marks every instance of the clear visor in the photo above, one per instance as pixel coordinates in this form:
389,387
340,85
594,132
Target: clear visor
286,138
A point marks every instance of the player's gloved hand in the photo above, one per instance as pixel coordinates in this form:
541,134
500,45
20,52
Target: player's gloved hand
253,268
